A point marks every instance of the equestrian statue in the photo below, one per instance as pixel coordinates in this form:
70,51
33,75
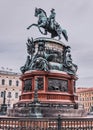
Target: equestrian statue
48,24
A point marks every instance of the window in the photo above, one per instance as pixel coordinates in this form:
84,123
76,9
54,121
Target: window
3,82
2,94
16,95
10,82
8,105
9,95
17,83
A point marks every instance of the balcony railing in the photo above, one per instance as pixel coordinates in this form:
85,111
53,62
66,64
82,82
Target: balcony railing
15,123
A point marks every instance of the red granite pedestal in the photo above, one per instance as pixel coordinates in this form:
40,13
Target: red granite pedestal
54,87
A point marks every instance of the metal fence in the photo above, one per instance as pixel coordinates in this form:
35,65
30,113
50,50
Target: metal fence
10,123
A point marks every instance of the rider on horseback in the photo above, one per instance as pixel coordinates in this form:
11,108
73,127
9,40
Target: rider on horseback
52,18
48,24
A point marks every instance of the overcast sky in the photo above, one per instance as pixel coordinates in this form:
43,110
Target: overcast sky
76,16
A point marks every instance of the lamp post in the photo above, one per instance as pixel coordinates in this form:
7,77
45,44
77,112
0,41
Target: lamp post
36,105
3,110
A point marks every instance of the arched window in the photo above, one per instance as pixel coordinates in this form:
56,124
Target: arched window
3,81
17,83
10,82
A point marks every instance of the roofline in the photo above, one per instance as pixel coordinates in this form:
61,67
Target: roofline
9,73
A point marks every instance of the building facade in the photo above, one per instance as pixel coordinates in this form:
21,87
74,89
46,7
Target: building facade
10,86
85,97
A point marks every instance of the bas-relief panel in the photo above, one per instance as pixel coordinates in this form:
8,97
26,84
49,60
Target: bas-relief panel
27,85
57,85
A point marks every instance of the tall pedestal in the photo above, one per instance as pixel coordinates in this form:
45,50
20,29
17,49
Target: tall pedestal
55,73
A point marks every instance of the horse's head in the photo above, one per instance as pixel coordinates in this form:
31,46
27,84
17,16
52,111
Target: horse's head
36,12
40,11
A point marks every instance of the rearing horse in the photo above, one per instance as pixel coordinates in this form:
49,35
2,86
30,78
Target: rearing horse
44,22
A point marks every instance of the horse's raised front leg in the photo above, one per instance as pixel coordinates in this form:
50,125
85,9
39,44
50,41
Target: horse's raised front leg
32,25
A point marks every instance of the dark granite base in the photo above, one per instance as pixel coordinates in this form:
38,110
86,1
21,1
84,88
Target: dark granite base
46,110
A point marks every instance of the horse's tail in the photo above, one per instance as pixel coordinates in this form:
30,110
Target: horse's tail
65,34
32,25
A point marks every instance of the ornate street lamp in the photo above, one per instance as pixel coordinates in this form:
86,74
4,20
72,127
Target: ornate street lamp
36,105
3,109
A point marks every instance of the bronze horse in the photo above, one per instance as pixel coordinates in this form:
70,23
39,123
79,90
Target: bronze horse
44,22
